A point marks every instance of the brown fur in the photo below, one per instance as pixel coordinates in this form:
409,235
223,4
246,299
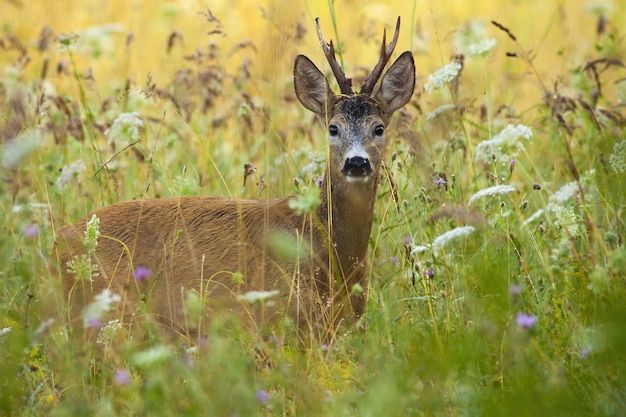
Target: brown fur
199,242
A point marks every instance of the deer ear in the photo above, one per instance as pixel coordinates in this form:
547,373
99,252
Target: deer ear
311,86
398,83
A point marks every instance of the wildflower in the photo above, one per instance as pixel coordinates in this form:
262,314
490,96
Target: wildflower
122,377
504,146
515,289
564,193
419,249
102,303
438,111
491,191
184,185
444,239
481,48
125,129
618,158
92,233
6,330
472,40
439,182
429,273
253,296
262,396
108,331
82,268
152,356
533,217
31,231
394,260
443,76
526,321
142,273
585,352
70,173
567,219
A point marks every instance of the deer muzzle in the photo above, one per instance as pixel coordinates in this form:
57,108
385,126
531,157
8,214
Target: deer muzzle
357,169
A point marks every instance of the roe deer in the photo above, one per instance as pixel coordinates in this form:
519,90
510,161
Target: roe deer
203,243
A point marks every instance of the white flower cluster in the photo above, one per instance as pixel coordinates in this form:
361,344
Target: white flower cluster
102,303
108,332
505,146
71,173
257,296
481,48
618,158
559,204
472,40
491,191
442,76
444,240
125,129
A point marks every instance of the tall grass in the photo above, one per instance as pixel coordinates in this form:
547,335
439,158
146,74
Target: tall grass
497,268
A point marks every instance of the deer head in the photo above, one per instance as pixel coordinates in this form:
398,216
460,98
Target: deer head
355,122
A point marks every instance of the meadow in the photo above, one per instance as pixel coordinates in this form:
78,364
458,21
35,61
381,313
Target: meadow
497,259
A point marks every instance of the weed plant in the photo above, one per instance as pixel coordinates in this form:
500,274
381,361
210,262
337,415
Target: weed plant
497,268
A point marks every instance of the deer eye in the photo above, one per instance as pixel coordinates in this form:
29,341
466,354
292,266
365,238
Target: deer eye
379,130
333,130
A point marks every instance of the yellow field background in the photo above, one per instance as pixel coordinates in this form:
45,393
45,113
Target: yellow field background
270,33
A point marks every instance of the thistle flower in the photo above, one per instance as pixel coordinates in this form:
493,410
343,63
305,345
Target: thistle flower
525,321
442,76
122,377
505,146
429,273
31,231
262,396
142,273
515,289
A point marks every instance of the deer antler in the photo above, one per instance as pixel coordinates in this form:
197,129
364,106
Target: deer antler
345,84
385,54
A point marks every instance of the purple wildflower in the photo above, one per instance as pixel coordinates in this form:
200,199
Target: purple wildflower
93,322
585,352
31,231
515,289
122,377
440,181
262,396
394,260
142,273
319,181
526,321
430,273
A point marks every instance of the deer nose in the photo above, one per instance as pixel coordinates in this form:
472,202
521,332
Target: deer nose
357,167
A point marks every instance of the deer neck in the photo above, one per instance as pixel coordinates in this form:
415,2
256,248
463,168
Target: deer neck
349,223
